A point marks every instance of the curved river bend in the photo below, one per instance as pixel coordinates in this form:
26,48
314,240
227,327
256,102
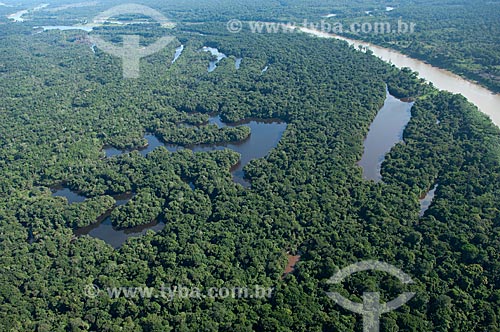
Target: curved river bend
485,100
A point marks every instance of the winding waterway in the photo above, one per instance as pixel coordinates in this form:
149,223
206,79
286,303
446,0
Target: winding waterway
385,131
485,100
103,228
264,136
215,52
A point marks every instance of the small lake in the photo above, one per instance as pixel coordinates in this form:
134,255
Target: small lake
237,63
385,131
71,196
178,52
105,231
265,135
426,201
215,52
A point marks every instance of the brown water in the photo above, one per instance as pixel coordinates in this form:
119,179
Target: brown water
290,266
485,100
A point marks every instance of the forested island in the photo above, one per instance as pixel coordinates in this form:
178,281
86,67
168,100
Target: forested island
63,102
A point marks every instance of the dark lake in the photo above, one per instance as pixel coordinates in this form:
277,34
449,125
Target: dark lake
115,237
265,135
71,196
103,228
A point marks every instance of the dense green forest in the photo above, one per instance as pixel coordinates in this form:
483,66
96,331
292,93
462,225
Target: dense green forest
460,36
61,104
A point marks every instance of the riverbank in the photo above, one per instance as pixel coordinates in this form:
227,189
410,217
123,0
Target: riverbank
486,101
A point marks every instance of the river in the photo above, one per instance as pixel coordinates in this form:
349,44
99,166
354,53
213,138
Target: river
18,16
485,100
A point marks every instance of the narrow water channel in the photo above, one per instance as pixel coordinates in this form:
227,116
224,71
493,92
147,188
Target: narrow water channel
178,52
103,228
265,135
